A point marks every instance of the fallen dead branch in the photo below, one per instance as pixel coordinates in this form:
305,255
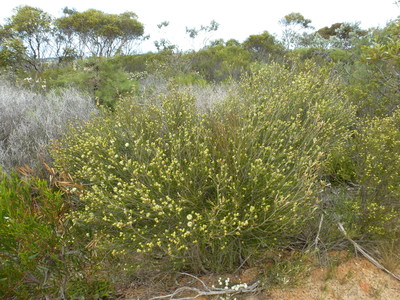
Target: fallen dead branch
210,291
365,253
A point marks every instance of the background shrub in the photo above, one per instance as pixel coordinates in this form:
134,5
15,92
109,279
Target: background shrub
104,80
218,63
29,120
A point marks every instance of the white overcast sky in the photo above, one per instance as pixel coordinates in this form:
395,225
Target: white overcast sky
237,18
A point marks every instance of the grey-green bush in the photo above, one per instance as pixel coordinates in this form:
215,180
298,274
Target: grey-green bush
29,121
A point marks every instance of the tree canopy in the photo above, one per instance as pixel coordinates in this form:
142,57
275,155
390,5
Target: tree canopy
262,45
33,27
98,33
295,19
31,35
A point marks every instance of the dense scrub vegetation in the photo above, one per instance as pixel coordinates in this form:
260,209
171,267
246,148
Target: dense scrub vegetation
30,120
197,161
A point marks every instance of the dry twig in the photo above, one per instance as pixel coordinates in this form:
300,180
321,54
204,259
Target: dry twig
210,291
319,230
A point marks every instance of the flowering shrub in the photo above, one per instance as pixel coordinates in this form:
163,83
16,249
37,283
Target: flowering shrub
369,161
204,190
378,173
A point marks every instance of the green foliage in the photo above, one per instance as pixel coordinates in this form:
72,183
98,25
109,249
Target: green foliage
340,165
386,47
190,78
136,63
39,256
382,139
31,237
86,288
373,81
370,159
263,46
204,190
341,55
379,164
220,62
104,79
342,31
12,54
295,19
33,26
164,64
287,271
177,175
323,56
31,35
382,65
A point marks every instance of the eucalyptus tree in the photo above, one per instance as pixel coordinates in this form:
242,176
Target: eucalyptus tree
293,24
26,38
343,35
34,28
96,33
205,31
12,50
164,44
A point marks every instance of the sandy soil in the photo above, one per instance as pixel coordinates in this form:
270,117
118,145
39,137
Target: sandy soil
353,279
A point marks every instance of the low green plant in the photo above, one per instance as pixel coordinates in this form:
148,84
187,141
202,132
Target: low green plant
31,237
38,256
390,254
200,191
288,271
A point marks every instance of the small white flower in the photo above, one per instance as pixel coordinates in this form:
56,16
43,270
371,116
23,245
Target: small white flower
127,145
189,217
189,224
